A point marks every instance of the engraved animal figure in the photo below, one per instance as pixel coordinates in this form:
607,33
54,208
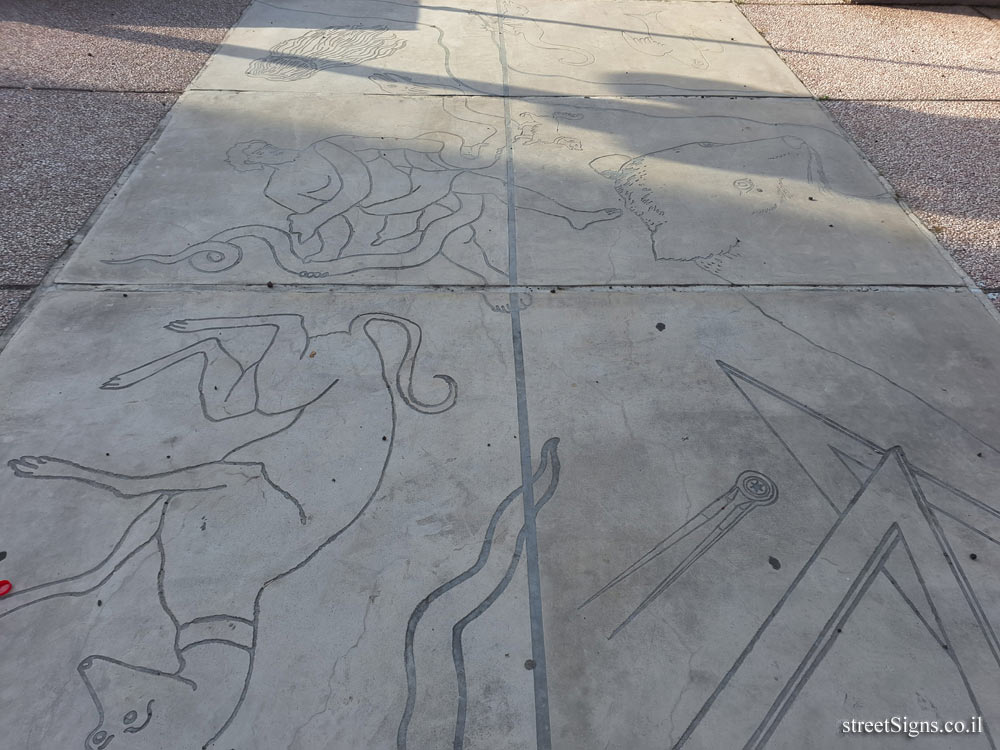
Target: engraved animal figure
324,49
679,45
752,181
542,130
361,203
209,522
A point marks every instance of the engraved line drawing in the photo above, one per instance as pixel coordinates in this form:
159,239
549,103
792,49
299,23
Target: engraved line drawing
894,500
658,37
750,491
692,52
759,198
542,130
502,548
399,84
252,496
362,203
324,49
516,23
359,39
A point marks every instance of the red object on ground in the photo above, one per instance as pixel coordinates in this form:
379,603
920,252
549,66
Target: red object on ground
5,587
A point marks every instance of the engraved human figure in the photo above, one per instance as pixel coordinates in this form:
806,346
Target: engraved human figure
763,186
208,522
360,203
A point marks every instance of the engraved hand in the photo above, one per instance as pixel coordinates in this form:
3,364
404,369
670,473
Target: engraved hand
304,226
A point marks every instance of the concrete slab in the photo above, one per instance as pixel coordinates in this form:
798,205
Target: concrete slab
870,52
63,151
298,557
740,557
703,190
302,540
358,46
207,206
636,48
201,208
379,47
144,45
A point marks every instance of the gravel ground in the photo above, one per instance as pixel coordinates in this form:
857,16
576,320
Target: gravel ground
10,301
874,52
62,153
789,2
110,45
943,158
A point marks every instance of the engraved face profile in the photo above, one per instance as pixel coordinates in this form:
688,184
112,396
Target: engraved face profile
130,703
250,155
746,182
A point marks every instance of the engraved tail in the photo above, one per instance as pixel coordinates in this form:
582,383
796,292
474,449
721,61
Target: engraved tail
226,249
403,378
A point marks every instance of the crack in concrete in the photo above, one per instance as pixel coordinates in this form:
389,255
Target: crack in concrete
875,372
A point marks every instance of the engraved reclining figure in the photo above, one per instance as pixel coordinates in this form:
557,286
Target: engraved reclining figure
769,186
361,203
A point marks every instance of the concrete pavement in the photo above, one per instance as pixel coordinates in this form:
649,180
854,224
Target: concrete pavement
552,375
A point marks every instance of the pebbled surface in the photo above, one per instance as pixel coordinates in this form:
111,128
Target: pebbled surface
869,52
144,45
63,151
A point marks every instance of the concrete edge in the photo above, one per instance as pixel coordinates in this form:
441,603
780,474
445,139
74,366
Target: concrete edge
907,209
970,285
192,84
